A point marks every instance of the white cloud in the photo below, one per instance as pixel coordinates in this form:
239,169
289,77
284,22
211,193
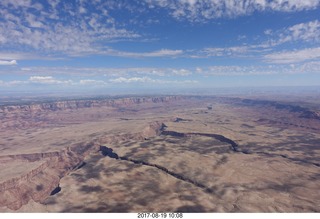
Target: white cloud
157,53
17,3
59,28
150,80
94,77
34,21
23,56
270,69
198,10
114,72
294,56
26,69
182,72
13,83
289,62
92,82
76,29
308,67
268,32
163,52
307,32
227,51
236,70
292,5
76,51
106,72
130,80
5,62
47,80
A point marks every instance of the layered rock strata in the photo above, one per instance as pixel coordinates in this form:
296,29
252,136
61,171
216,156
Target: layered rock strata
40,182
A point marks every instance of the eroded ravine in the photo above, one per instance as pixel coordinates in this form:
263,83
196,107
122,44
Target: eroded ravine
108,152
221,138
61,163
235,147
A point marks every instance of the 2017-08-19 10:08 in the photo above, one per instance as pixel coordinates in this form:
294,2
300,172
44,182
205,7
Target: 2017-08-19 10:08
160,215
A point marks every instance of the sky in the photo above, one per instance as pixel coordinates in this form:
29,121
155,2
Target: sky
110,46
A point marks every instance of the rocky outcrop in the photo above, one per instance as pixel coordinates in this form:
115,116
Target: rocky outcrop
303,111
77,104
153,129
39,183
42,181
52,113
221,138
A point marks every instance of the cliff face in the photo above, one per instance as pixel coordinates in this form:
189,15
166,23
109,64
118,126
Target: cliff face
77,104
39,183
153,129
304,112
49,114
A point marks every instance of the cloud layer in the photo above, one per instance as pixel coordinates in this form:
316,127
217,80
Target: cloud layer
199,10
58,26
85,27
133,43
294,56
6,62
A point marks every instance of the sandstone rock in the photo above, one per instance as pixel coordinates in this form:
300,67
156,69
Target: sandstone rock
153,129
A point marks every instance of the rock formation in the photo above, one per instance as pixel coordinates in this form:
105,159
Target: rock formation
77,104
36,114
40,182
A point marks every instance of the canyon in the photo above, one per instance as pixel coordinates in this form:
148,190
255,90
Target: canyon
160,153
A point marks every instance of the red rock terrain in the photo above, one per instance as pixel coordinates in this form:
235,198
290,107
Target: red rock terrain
39,182
231,129
24,116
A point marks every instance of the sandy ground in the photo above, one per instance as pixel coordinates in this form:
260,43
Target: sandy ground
277,172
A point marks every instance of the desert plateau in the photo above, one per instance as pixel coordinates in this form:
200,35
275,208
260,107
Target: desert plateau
160,154
159,108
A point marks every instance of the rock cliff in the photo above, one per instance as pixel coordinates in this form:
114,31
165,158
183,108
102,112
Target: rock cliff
49,113
303,111
77,104
40,182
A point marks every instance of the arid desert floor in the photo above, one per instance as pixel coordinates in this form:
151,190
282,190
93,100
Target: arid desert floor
164,154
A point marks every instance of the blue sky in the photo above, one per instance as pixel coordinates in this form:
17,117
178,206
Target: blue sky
157,45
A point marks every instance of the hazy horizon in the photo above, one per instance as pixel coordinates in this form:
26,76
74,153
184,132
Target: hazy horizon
271,92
